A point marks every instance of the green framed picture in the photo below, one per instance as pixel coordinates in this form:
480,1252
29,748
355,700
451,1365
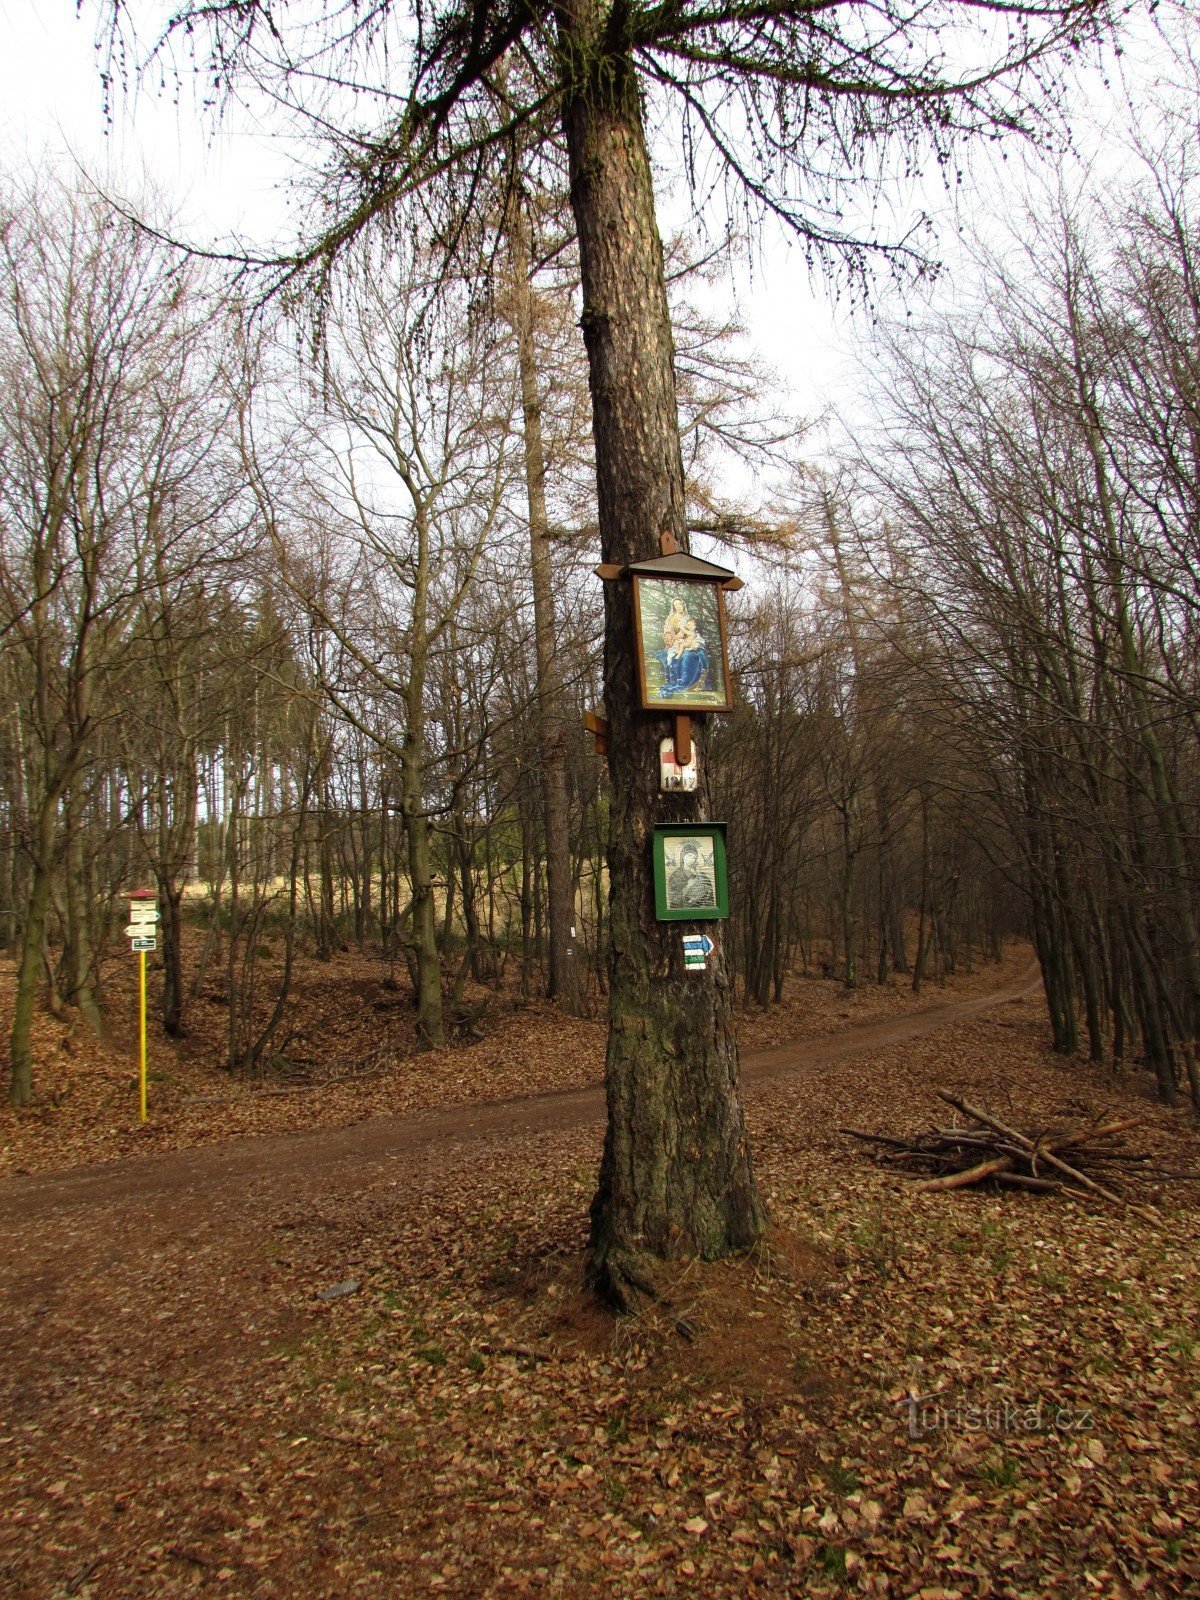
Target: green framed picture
691,881
682,656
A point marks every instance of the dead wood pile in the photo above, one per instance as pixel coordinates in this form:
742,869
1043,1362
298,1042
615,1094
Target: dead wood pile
987,1149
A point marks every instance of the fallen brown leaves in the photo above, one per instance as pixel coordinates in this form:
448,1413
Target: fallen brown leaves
355,1055
352,1056
938,1396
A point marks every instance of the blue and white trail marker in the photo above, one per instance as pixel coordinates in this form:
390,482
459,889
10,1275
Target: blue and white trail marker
697,947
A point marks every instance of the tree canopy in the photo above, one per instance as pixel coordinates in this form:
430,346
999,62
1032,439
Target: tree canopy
790,110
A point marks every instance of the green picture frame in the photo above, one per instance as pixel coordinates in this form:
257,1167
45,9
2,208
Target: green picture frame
691,875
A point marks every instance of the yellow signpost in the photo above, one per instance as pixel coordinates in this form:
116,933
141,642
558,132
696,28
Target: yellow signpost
142,933
142,1031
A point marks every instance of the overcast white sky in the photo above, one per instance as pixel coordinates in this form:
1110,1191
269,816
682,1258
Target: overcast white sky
235,181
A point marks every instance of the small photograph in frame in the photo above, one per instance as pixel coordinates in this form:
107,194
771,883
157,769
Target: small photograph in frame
691,882
682,658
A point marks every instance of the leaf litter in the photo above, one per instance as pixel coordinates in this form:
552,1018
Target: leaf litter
895,1394
351,1055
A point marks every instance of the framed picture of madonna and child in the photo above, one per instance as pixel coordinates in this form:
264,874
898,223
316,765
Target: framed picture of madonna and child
682,664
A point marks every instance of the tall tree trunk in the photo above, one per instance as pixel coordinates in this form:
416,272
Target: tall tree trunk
564,980
20,1048
76,984
429,967
170,900
923,908
676,1175
233,847
465,851
176,842
326,823
846,899
416,822
384,843
527,872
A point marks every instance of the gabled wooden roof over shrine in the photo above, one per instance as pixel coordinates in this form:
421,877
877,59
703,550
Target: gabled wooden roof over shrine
678,565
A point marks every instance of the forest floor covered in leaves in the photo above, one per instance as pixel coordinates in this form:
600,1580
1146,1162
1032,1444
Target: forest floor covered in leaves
937,1395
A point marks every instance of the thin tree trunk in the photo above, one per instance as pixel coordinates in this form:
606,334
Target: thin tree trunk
412,773
564,979
527,859
77,963
326,821
233,848
923,906
20,1047
176,842
846,901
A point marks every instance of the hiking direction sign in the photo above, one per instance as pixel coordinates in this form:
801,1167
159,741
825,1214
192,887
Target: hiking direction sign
697,947
142,928
142,933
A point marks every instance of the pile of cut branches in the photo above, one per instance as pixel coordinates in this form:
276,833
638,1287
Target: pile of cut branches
988,1149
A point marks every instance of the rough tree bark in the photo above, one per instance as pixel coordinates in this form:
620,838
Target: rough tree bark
676,1176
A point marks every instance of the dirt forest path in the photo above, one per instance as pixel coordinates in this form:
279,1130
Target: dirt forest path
318,1159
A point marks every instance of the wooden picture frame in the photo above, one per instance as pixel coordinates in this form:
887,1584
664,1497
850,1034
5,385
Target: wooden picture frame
691,875
682,653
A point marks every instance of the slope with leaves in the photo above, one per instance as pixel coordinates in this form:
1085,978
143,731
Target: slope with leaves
352,1055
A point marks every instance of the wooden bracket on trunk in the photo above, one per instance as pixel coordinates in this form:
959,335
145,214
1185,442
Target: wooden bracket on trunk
683,740
609,571
597,726
667,545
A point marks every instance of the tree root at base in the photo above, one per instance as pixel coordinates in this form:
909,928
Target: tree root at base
622,1279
